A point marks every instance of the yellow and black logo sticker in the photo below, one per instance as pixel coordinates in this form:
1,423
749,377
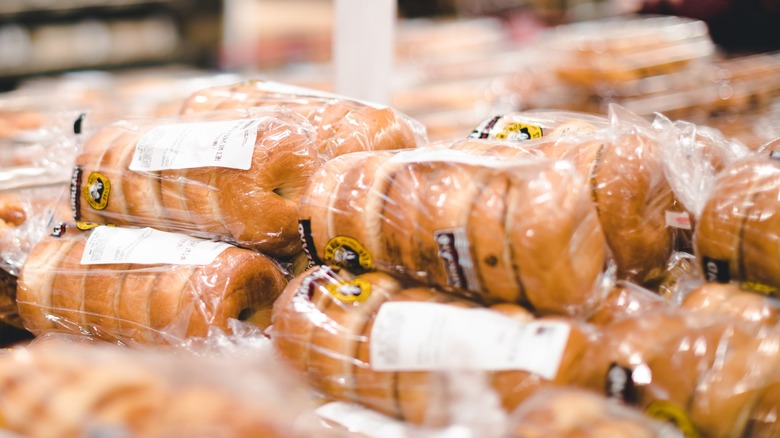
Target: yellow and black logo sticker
760,288
665,411
96,190
84,226
351,291
519,132
346,252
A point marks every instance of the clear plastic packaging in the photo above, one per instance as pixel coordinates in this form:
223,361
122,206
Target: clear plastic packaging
737,234
398,348
704,372
29,199
572,412
623,167
69,387
341,125
142,286
519,232
232,175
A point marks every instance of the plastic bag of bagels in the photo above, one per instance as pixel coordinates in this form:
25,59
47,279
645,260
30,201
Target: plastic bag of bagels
621,159
342,125
69,387
143,286
391,346
738,234
230,175
733,300
30,197
573,412
518,232
705,372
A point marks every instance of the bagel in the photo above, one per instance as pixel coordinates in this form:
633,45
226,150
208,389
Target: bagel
144,303
730,299
256,208
422,208
737,227
342,125
326,335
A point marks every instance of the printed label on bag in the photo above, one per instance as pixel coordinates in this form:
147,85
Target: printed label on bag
775,155
96,190
307,241
716,271
620,384
147,246
494,129
411,336
346,252
484,129
227,144
306,289
663,410
350,291
454,253
75,190
678,219
518,132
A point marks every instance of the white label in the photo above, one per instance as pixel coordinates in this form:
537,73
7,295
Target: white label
410,336
189,145
453,244
678,219
358,419
147,246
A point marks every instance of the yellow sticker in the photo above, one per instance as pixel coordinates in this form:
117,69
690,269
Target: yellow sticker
663,410
350,291
760,288
84,226
96,190
347,253
519,132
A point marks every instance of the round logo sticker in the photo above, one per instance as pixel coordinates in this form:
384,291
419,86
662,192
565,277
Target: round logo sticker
96,190
347,253
350,291
519,132
665,411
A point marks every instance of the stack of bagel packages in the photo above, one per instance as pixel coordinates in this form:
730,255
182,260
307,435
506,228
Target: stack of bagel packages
588,275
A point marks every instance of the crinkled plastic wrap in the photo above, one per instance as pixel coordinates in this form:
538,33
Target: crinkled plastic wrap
341,125
624,174
373,340
521,232
142,286
232,175
702,371
571,412
29,199
69,388
737,234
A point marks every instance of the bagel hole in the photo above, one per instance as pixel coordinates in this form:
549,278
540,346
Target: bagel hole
281,192
245,314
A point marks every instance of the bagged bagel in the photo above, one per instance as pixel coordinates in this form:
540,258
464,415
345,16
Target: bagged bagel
523,232
373,340
30,198
703,372
68,387
737,236
233,175
625,163
731,299
134,285
341,125
573,412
